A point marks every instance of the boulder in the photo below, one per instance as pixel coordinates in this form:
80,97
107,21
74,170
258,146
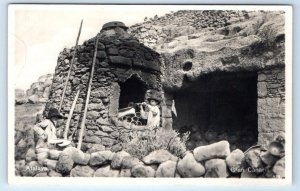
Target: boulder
42,156
108,141
216,168
65,163
53,173
42,174
30,155
142,171
19,164
50,164
252,157
42,150
216,150
159,156
235,161
96,148
189,167
129,161
82,171
75,154
101,158
279,168
33,99
92,139
106,128
106,171
116,162
166,169
46,92
125,173
117,147
20,101
54,154
268,158
31,169
248,174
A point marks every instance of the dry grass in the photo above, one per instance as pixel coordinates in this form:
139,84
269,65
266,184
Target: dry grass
26,114
141,143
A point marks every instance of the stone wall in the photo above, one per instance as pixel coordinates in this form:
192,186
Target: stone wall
271,104
158,30
119,57
211,161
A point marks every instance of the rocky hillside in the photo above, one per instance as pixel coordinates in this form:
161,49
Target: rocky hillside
193,43
38,92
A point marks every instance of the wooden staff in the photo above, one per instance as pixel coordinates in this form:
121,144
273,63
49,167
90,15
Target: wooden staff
82,126
71,113
71,65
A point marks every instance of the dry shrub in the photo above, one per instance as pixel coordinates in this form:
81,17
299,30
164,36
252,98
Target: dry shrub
140,143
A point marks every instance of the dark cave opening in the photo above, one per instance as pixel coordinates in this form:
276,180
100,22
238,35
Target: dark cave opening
219,106
132,90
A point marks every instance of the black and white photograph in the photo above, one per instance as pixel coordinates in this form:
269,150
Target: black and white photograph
150,91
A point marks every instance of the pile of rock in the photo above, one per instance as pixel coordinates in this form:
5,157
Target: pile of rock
185,22
40,90
209,161
37,93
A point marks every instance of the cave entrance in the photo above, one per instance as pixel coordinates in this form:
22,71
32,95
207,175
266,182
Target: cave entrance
219,106
132,90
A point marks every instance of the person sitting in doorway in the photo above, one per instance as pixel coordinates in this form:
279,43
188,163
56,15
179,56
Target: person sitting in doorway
151,112
46,129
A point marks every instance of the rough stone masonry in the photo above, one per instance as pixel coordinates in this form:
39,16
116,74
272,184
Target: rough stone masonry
120,57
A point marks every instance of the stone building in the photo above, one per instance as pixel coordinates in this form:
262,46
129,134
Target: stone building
226,78
124,70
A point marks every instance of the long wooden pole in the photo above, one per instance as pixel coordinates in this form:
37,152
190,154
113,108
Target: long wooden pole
71,65
82,126
71,114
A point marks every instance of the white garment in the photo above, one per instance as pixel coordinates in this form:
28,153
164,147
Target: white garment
153,116
49,133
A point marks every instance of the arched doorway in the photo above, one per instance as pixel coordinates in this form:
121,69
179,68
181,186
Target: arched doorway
132,90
